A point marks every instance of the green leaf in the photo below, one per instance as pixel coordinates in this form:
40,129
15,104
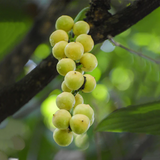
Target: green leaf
81,14
137,119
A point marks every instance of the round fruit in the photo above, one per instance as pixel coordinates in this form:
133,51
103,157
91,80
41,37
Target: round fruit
64,87
65,23
74,50
81,27
63,137
90,83
58,35
74,80
79,123
61,119
84,109
78,99
86,41
65,100
65,65
58,50
89,62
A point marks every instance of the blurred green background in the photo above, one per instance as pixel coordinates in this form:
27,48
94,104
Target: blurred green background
123,79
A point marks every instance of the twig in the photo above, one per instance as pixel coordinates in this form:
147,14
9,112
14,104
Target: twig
132,51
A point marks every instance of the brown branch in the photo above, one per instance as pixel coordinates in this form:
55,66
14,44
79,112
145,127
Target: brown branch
103,23
13,97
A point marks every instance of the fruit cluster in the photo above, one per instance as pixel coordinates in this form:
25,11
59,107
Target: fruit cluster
71,46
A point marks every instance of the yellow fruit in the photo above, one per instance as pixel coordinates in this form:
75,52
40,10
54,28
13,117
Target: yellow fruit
61,119
64,87
65,100
86,41
58,50
79,123
89,62
65,23
63,137
57,36
78,99
65,65
90,83
74,50
86,110
74,80
81,27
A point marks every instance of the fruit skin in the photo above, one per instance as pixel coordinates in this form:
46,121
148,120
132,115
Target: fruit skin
86,41
57,36
74,80
64,87
65,23
58,50
81,27
74,50
90,83
89,62
61,119
78,100
86,110
65,65
65,100
79,123
63,137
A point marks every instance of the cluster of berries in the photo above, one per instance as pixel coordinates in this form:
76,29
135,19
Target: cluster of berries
71,44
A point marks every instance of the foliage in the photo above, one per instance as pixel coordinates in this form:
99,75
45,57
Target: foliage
123,79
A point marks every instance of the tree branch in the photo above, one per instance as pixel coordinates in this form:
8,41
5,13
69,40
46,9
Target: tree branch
132,51
103,23
13,97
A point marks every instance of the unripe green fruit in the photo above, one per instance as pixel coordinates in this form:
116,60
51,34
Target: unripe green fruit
74,50
89,62
64,87
90,83
65,23
63,137
79,123
65,100
86,41
65,65
58,35
81,27
78,99
61,119
74,80
86,110
58,50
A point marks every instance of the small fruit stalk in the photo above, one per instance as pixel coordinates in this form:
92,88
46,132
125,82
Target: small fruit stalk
71,46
